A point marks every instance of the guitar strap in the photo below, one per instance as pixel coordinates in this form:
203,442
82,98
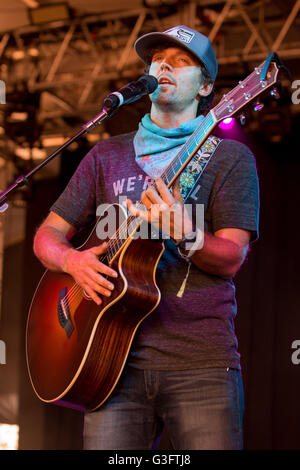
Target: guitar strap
195,168
189,179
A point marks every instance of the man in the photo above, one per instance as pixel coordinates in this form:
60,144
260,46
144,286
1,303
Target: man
183,370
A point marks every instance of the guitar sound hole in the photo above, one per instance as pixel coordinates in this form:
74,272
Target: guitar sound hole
63,312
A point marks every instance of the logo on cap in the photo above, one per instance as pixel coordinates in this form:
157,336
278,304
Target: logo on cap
181,34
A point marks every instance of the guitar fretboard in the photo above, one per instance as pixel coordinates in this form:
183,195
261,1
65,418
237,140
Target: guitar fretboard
189,149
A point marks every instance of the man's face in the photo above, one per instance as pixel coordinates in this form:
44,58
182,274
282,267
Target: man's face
179,77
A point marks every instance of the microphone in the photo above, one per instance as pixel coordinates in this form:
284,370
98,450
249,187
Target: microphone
131,92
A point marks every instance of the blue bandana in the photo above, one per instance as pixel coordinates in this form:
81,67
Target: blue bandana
156,147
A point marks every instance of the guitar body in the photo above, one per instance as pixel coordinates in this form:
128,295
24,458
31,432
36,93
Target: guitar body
76,350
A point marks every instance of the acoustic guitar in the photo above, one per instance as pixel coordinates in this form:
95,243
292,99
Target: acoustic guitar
77,350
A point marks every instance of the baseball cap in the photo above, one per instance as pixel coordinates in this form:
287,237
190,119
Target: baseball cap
183,36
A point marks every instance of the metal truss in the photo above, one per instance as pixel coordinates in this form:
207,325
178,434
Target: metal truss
72,65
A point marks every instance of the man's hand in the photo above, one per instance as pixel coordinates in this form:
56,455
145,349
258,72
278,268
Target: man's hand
53,249
87,271
165,211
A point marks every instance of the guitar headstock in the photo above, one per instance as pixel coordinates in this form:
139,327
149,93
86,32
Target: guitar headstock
246,91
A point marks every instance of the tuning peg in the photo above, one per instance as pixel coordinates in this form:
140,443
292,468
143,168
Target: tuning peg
242,119
258,106
275,93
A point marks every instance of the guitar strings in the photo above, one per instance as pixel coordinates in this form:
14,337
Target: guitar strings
76,289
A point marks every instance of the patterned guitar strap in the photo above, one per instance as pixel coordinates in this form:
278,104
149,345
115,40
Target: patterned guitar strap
195,168
189,180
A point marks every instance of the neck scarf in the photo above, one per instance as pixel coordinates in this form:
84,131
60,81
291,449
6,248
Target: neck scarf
156,147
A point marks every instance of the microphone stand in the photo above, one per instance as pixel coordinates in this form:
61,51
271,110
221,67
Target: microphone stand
24,179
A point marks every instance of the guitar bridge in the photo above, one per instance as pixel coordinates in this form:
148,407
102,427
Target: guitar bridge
63,312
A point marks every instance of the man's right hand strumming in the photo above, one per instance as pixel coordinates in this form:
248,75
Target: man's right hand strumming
86,270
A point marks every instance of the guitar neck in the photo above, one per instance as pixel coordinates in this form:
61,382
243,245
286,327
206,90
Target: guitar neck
188,150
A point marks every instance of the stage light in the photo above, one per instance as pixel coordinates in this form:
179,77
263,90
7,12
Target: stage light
226,123
34,153
53,141
33,52
17,55
9,436
17,116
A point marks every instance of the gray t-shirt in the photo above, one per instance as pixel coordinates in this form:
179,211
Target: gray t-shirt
197,329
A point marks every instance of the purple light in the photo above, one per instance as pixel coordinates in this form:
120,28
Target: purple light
226,123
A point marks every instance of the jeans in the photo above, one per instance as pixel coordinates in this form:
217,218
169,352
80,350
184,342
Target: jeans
200,408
